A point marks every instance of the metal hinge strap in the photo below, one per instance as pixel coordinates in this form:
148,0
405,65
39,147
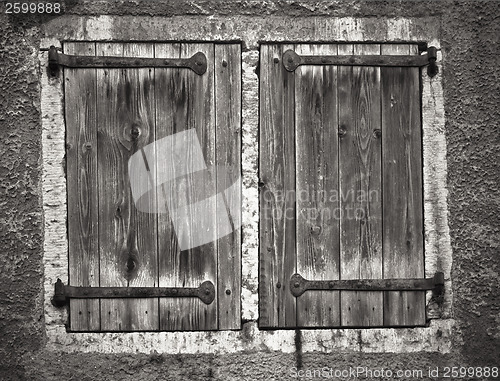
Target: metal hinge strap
299,285
197,63
292,60
205,292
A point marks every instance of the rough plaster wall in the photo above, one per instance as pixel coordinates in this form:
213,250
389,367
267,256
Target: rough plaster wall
272,366
472,94
21,316
471,84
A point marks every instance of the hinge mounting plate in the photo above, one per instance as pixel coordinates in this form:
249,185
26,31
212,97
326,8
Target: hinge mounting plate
299,285
197,63
292,60
62,293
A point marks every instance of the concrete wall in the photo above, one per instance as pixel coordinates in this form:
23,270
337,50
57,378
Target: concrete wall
469,33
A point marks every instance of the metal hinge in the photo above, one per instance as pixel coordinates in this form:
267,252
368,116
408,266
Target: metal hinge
292,60
197,63
62,293
299,285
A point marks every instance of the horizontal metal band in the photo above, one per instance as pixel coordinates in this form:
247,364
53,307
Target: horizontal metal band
299,285
205,292
292,60
197,63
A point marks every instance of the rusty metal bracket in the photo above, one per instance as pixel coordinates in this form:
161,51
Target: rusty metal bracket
292,60
299,285
62,293
197,63
432,69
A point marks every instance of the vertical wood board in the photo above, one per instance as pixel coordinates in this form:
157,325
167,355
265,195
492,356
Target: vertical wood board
228,148
360,186
81,156
316,182
402,188
277,178
186,102
128,255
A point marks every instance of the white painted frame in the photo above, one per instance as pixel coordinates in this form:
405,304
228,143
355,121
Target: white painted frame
250,31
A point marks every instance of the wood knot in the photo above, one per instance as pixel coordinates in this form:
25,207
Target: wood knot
342,131
130,264
131,267
135,131
118,212
315,230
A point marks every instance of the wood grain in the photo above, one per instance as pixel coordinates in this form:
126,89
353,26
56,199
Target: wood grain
379,182
228,153
115,113
81,156
402,188
127,237
171,117
277,176
185,101
316,145
360,186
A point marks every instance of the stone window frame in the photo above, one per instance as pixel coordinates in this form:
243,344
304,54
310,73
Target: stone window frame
250,31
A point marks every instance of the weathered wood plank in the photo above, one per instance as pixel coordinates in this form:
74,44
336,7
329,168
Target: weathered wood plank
277,176
171,117
186,102
316,178
360,186
201,106
81,156
127,236
402,188
228,153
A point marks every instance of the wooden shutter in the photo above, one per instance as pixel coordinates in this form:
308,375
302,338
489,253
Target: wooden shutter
111,114
340,187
